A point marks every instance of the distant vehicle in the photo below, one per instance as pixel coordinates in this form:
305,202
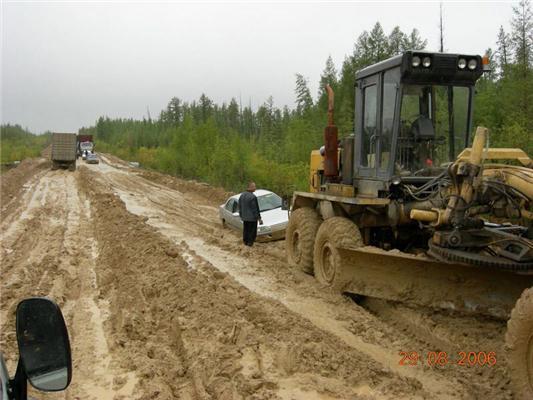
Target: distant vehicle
64,151
86,146
273,212
84,142
92,158
44,351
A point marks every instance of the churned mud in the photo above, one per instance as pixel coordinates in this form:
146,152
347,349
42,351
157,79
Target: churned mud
161,302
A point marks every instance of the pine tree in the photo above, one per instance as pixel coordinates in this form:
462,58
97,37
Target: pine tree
345,96
503,50
234,118
206,107
522,36
376,44
397,42
174,112
415,42
304,101
521,84
265,117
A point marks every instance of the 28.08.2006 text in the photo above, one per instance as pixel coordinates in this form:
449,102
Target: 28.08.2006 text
442,358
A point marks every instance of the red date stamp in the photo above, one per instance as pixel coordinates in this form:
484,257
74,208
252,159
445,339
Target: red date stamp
442,358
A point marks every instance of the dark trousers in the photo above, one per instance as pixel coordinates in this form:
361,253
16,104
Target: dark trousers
249,232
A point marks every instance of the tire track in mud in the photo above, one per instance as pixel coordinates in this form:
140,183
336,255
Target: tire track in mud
174,216
27,259
236,343
20,208
144,341
88,311
14,184
45,253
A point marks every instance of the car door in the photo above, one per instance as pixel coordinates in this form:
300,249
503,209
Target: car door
225,213
229,213
236,219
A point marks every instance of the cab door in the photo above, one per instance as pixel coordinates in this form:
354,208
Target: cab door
389,117
367,111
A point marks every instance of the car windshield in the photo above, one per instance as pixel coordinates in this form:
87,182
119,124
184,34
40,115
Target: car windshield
269,202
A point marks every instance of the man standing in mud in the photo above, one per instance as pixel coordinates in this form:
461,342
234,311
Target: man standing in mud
249,213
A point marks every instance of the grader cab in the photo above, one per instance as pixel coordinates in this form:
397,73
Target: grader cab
406,210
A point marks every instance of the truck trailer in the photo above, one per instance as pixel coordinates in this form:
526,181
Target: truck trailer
64,151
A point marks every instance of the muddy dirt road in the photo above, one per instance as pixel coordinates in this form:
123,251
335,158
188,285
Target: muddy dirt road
161,302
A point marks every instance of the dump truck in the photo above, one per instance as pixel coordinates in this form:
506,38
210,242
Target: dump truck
64,151
412,208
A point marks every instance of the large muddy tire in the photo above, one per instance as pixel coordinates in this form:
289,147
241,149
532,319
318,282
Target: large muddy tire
300,238
334,233
519,345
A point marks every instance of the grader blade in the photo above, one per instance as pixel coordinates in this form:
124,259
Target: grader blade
419,280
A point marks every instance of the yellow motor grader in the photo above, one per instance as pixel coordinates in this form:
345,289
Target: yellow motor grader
405,210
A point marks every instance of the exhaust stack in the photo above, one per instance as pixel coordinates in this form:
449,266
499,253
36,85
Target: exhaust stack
331,162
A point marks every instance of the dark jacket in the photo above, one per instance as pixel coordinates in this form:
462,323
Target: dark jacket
249,207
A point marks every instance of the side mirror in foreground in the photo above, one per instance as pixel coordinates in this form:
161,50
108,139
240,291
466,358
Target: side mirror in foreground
43,343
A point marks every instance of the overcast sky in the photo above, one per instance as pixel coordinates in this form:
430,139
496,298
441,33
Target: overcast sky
66,63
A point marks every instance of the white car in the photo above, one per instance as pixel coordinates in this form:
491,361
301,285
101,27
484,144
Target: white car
275,216
92,158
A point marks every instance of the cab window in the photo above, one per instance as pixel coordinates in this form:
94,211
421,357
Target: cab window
433,127
370,119
390,91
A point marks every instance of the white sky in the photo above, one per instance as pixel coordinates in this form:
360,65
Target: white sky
66,63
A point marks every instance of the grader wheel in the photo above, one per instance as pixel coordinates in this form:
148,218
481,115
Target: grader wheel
300,237
333,233
519,344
